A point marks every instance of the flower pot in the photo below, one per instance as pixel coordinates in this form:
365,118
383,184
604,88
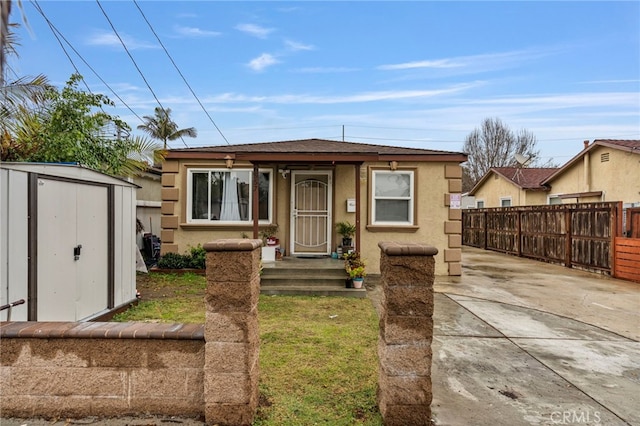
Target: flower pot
348,283
357,282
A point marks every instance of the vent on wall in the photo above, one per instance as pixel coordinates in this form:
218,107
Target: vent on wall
604,157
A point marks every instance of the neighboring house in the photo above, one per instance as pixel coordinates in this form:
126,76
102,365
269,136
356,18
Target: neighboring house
148,202
468,201
605,170
512,186
68,242
306,187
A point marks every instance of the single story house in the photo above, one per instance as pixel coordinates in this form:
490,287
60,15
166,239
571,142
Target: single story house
512,186
306,187
605,170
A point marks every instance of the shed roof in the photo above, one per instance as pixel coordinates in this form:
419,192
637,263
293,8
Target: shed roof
316,150
68,171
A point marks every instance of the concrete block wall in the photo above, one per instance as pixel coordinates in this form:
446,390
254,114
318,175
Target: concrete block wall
68,369
210,371
406,333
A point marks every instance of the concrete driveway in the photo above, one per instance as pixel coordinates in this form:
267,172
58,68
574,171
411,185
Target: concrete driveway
520,342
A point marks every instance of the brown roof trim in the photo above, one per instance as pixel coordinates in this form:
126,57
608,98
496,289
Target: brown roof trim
581,194
316,150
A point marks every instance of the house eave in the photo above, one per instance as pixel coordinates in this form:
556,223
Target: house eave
320,157
580,194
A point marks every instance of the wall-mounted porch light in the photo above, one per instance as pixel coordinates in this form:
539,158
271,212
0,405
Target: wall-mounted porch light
283,172
393,165
228,161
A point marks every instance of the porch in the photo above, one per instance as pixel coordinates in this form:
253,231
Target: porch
307,276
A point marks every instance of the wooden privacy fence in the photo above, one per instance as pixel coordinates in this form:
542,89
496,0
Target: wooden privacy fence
574,235
627,261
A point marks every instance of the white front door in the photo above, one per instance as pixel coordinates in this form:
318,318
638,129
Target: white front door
311,212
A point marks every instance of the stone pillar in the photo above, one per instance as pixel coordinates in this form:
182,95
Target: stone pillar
406,331
231,331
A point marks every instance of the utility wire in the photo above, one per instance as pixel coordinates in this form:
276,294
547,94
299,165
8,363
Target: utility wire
134,62
179,72
57,32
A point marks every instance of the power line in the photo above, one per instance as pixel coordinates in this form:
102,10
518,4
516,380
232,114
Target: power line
179,72
57,32
134,62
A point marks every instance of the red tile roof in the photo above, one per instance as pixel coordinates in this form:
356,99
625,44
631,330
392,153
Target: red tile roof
620,143
526,178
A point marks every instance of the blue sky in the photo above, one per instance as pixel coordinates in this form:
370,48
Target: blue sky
417,74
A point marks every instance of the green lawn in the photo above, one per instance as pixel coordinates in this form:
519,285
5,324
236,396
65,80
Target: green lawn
318,361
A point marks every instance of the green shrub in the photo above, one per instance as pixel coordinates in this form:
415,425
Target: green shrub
174,261
195,258
198,257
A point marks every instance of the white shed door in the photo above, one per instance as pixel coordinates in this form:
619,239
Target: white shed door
71,215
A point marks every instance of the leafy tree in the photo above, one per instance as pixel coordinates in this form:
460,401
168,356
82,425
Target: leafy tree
69,126
495,145
162,127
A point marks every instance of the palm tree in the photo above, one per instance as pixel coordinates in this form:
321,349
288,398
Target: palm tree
162,127
5,11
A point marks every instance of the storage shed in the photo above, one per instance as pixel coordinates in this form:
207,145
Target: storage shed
67,242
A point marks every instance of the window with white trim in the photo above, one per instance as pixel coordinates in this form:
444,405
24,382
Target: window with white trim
225,196
480,204
393,197
554,199
505,202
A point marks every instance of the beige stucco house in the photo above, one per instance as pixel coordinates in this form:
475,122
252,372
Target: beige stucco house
512,186
306,187
605,170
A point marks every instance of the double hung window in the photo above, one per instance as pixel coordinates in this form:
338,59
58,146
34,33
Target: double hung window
393,197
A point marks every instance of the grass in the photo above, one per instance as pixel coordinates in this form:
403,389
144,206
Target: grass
318,360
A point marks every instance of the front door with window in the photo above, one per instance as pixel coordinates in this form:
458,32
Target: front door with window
311,212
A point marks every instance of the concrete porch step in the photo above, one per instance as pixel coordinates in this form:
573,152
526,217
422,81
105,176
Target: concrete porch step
314,291
307,276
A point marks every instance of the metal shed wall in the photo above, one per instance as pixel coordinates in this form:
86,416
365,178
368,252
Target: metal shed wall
16,186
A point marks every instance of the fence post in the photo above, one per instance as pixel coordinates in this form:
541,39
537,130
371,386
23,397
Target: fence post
406,333
567,245
231,331
484,218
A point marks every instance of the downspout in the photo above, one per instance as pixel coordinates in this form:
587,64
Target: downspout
357,188
586,169
255,212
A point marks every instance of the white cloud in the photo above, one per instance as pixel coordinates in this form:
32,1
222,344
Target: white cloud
476,63
295,46
321,70
353,98
108,39
254,30
263,61
440,63
195,32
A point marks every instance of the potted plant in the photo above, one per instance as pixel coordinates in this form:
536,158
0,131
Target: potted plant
268,235
347,230
355,268
357,274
